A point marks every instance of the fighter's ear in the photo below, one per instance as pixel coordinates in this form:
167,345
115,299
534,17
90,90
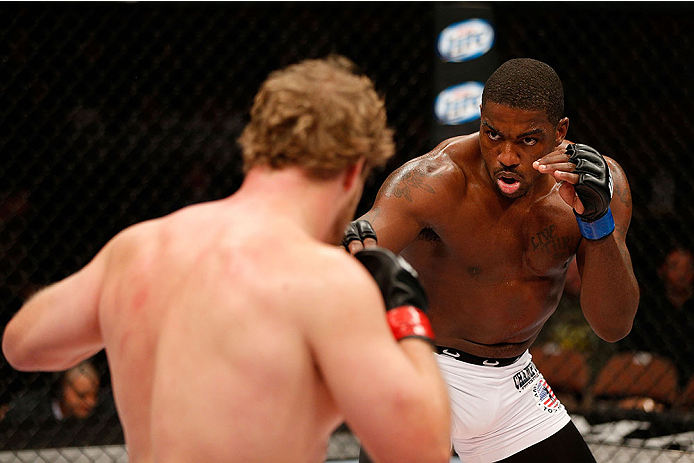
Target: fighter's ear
353,173
562,130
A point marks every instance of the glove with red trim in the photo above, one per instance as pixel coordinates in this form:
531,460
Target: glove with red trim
404,297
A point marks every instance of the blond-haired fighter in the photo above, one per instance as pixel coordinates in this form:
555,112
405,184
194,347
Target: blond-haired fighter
235,330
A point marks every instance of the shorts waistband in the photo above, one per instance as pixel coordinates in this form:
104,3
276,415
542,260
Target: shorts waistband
475,360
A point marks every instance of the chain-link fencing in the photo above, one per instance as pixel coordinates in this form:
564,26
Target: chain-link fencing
113,113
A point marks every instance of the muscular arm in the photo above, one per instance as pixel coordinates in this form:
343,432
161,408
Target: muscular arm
609,291
59,326
406,199
376,380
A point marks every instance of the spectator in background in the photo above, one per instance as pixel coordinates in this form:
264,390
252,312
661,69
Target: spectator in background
76,395
79,392
677,272
162,288
54,418
664,321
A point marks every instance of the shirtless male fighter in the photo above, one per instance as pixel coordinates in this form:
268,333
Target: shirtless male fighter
491,221
235,330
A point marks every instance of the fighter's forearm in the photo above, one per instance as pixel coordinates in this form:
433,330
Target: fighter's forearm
50,332
395,229
428,415
609,290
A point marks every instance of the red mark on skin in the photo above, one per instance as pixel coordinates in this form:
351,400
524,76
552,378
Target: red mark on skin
139,299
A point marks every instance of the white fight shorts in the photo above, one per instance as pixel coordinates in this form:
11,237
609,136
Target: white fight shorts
498,411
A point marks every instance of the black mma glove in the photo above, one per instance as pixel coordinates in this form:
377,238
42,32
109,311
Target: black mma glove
358,230
594,189
404,297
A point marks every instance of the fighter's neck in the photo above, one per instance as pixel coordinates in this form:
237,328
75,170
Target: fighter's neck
289,193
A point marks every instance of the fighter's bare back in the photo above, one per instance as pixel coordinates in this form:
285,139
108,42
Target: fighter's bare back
201,328
493,267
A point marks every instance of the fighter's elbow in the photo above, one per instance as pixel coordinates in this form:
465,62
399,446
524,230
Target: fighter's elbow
442,450
24,352
613,332
611,322
413,436
433,442
438,454
12,349
424,448
429,433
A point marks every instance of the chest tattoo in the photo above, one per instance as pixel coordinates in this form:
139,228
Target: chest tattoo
548,241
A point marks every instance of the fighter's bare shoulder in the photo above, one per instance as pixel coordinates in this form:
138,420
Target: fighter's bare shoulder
617,172
340,266
338,280
153,228
131,242
621,196
431,177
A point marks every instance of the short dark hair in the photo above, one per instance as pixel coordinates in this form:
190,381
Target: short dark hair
526,83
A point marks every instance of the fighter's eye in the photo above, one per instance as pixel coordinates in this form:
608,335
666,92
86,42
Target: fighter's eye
493,135
529,141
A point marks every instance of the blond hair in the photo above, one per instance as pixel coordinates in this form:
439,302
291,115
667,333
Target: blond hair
319,115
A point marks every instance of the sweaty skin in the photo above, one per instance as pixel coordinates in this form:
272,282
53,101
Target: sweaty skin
491,235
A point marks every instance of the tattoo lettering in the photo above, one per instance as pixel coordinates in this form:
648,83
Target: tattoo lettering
547,241
412,179
624,195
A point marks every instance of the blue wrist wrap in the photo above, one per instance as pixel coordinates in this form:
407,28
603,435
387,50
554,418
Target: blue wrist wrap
598,229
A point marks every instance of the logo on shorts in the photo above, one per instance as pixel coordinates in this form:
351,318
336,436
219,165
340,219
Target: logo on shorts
546,398
465,40
525,376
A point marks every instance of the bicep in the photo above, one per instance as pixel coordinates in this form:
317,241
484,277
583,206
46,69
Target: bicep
395,215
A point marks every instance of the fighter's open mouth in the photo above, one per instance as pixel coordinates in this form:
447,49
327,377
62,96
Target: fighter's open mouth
509,185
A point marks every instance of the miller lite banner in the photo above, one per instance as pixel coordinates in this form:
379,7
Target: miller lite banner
466,57
465,40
